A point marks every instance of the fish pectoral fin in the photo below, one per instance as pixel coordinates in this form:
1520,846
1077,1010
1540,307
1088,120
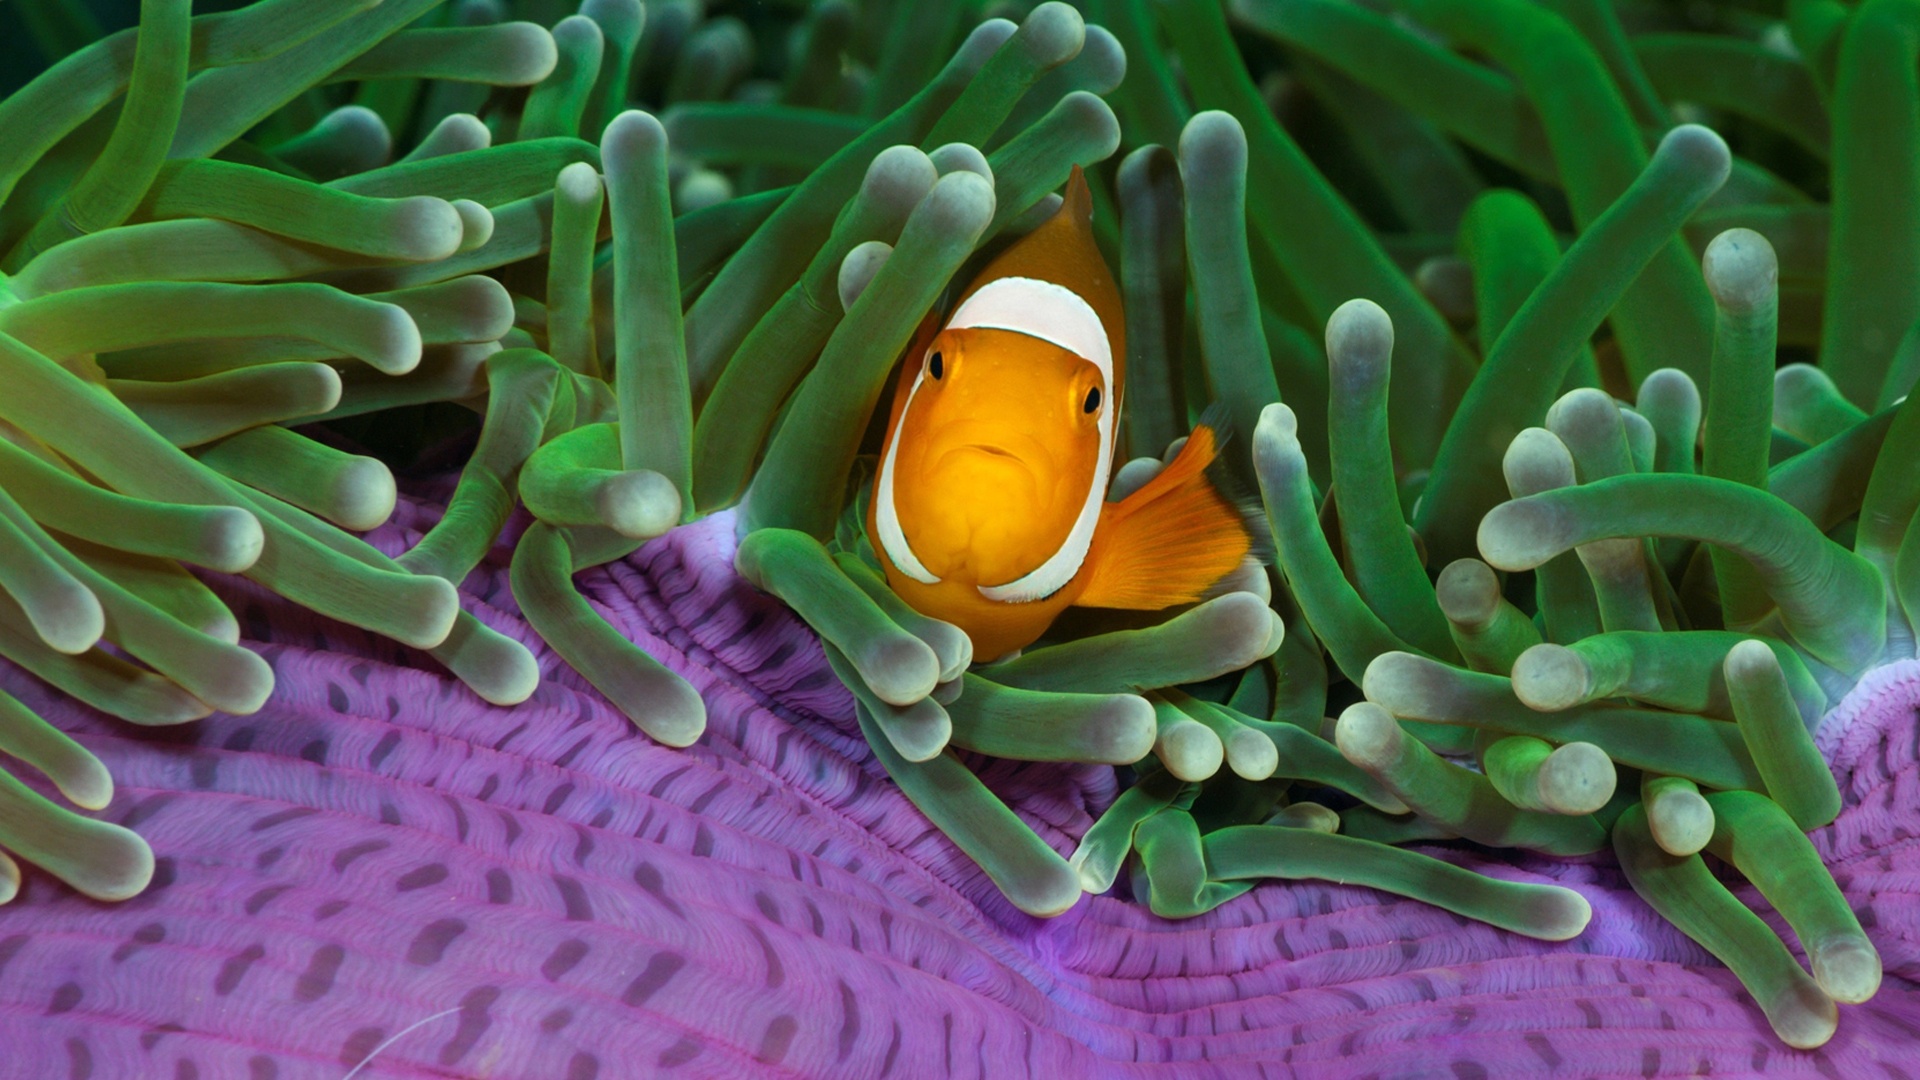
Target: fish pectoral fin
1170,541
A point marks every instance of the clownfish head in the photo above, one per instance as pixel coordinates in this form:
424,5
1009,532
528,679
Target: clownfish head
996,468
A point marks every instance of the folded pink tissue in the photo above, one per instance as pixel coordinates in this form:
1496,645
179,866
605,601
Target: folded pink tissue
381,875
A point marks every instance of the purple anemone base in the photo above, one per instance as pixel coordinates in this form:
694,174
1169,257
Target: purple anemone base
379,872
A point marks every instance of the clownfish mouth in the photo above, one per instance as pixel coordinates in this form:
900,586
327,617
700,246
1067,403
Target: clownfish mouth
989,448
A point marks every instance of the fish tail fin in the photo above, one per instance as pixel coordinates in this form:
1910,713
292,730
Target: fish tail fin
1253,514
1173,539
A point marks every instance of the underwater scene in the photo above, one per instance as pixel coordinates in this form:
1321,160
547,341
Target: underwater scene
1308,539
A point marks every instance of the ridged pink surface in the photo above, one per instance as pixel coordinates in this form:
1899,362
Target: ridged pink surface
548,894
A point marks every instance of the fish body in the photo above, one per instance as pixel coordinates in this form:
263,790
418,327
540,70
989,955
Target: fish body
989,508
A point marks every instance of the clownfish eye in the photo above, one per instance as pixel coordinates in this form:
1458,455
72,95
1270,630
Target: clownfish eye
1093,401
933,366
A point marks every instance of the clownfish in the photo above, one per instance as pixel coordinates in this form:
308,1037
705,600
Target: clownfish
989,508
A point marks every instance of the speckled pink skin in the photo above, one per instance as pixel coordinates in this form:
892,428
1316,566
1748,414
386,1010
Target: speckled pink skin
548,894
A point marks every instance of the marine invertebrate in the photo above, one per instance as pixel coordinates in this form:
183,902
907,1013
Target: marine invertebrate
378,861
616,409
153,335
225,345
1629,619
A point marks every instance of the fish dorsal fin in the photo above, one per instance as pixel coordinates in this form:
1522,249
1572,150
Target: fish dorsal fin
1053,284
1062,251
1170,541
1078,203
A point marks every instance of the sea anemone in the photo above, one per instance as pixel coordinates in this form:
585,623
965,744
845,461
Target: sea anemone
1745,610
229,314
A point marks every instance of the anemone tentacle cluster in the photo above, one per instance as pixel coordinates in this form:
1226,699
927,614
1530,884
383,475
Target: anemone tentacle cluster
1583,573
378,862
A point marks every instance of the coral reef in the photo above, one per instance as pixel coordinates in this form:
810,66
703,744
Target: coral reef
1592,584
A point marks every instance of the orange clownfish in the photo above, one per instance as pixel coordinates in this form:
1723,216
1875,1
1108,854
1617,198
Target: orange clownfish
989,509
